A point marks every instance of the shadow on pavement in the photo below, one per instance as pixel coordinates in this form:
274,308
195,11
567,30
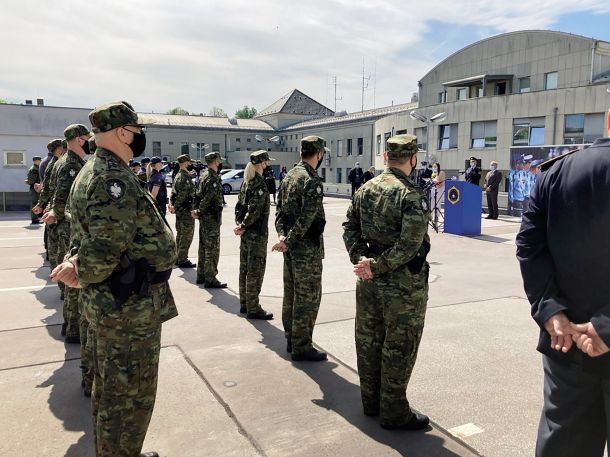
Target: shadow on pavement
338,394
50,298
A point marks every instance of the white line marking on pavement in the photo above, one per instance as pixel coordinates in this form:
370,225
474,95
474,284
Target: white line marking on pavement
13,289
465,431
22,238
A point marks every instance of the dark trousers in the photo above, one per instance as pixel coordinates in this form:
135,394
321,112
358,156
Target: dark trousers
355,187
492,203
576,413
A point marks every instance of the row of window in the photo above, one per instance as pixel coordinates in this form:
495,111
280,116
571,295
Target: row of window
578,129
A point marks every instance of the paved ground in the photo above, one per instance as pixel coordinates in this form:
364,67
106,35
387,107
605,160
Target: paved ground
227,387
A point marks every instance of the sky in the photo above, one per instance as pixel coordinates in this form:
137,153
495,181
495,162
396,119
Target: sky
199,54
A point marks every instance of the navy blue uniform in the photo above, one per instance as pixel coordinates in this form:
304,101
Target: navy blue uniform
157,179
564,251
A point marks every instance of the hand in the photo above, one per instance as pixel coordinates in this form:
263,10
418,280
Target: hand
66,272
561,331
172,210
239,231
280,246
363,269
37,209
588,341
488,189
194,214
37,187
49,218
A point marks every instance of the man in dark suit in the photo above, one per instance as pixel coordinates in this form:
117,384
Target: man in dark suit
492,185
473,174
563,250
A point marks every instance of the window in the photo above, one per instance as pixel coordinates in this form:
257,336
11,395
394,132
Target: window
184,148
339,148
476,91
483,134
14,158
249,140
420,133
550,80
524,85
349,146
447,136
378,145
360,146
238,149
528,131
171,143
339,175
442,97
156,148
500,88
462,94
323,177
238,140
215,147
401,132
248,149
583,128
386,137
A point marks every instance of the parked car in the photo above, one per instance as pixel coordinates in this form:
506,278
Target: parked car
226,170
232,180
167,174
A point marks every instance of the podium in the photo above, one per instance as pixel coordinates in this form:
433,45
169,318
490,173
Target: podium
462,208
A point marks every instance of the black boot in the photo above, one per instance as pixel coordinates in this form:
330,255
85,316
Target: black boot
313,355
149,454
64,326
260,314
417,422
243,309
288,346
214,285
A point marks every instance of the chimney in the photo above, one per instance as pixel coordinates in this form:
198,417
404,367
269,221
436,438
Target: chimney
40,102
28,102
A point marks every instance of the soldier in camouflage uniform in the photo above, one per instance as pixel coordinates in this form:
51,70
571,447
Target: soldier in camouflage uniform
122,259
208,204
32,180
181,204
300,223
63,174
387,240
252,219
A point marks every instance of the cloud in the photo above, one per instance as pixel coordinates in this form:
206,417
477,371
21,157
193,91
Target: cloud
198,54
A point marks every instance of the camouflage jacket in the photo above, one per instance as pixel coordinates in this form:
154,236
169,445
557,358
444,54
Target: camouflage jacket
299,203
113,215
65,171
390,214
252,209
183,192
208,198
48,187
33,176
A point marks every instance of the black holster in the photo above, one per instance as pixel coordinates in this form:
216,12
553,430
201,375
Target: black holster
414,265
130,278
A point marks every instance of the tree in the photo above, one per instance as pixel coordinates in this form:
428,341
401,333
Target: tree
3,101
245,113
178,110
217,112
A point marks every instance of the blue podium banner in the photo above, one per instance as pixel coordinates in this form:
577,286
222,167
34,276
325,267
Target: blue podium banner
462,208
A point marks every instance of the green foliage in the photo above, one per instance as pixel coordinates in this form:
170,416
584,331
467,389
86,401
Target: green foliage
245,113
178,110
218,112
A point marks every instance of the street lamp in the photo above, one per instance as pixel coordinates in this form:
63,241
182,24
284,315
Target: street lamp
416,116
274,139
200,147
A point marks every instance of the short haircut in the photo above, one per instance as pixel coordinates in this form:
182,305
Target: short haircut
309,154
399,160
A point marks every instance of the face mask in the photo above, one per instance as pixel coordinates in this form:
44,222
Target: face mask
219,167
138,144
493,168
190,167
320,161
86,147
434,170
473,164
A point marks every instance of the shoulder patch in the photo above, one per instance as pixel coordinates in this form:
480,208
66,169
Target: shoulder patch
319,189
115,188
260,191
72,173
424,204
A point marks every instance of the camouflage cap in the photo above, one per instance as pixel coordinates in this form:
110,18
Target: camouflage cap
54,144
35,158
75,130
116,114
259,156
401,146
312,144
183,158
210,156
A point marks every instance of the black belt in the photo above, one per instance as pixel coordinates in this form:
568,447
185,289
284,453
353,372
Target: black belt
161,276
375,250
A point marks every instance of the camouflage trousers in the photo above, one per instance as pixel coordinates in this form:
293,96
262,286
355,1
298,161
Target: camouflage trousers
53,244
126,365
185,228
252,263
71,296
86,347
33,201
390,313
209,249
302,293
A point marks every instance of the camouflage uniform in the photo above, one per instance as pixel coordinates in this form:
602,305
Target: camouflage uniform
113,216
182,200
252,214
33,178
208,202
299,214
387,222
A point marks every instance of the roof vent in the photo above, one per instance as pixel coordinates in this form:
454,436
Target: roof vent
341,113
28,102
40,101
232,121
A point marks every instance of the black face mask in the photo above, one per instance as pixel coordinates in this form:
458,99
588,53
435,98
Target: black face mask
138,144
320,160
219,167
86,147
190,167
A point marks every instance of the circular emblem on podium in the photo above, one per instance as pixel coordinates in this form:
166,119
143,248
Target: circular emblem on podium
453,195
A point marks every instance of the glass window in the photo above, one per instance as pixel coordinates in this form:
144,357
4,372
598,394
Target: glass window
524,84
442,97
238,140
215,147
14,158
339,148
483,134
462,94
401,132
521,134
536,136
339,175
550,80
386,137
420,133
378,146
360,146
156,148
594,126
583,128
349,146
249,140
184,148
447,136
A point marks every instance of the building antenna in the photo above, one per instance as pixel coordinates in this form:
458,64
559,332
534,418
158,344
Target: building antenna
365,83
335,84
375,86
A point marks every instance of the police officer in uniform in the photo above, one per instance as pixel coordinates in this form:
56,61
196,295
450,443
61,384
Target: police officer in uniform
563,250
387,240
300,222
473,173
157,186
252,219
183,193
123,259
